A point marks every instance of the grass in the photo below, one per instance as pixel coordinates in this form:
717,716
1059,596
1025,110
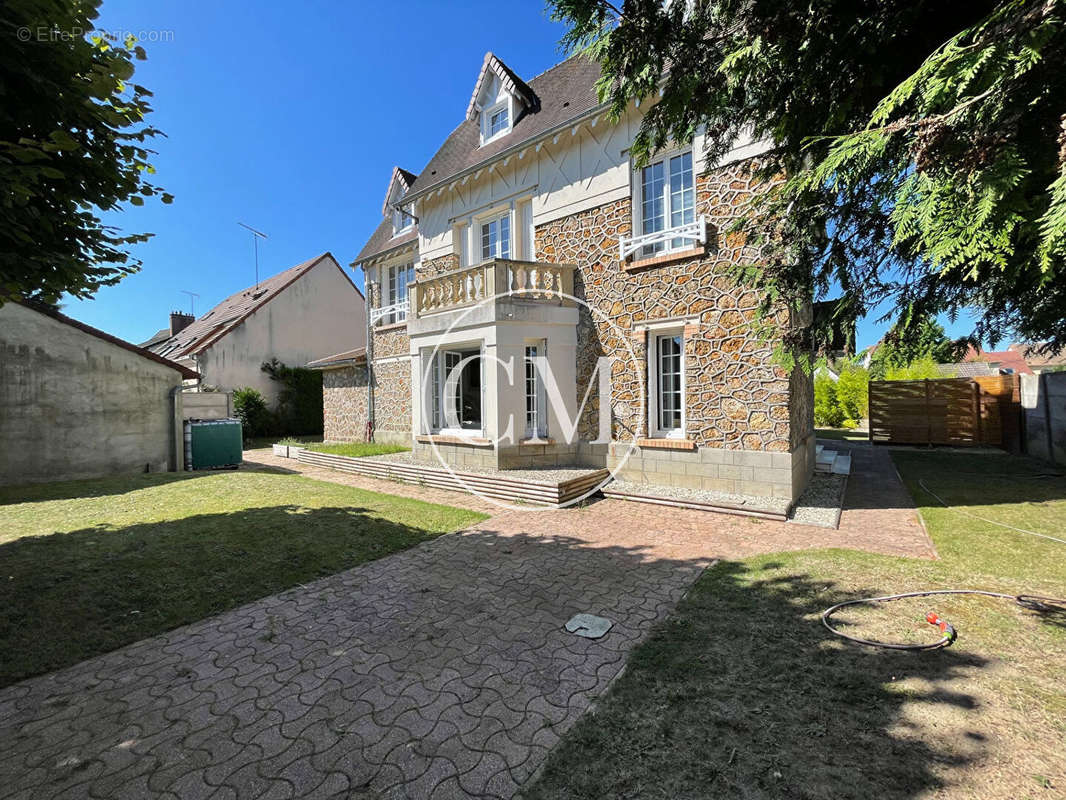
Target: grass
88,566
358,449
258,442
742,693
842,434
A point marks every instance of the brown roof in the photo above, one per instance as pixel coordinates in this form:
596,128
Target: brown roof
564,92
1002,359
382,241
107,337
1032,353
340,359
232,311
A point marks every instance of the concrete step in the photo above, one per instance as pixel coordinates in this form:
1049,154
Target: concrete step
842,464
824,460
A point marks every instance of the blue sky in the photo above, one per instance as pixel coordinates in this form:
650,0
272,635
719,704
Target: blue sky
290,117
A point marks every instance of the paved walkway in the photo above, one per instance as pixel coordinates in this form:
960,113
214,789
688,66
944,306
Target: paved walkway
443,671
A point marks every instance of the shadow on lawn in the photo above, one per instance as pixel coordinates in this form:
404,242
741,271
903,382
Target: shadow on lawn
743,694
69,596
92,487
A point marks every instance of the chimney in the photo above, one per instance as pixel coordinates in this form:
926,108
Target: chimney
180,321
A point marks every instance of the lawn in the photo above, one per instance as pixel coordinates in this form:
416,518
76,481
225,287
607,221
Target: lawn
358,449
88,566
742,693
842,434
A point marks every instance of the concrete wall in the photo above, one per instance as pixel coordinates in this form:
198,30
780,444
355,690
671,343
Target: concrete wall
75,406
320,314
1044,414
206,405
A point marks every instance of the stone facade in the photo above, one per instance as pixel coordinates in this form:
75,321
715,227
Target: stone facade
392,378
344,403
737,398
748,421
392,401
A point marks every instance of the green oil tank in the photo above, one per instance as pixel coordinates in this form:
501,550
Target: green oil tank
213,443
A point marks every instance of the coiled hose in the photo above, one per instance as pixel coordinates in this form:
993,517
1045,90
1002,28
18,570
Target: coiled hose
1030,601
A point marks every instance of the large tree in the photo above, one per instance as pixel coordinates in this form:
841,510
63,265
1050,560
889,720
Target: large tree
923,144
72,145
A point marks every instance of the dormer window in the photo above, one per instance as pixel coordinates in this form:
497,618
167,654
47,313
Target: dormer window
499,98
495,121
401,221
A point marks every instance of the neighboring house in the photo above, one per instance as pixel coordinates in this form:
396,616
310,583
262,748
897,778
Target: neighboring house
296,316
531,201
1038,361
76,402
1004,361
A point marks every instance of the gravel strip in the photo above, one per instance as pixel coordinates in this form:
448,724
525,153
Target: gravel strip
775,505
547,476
821,502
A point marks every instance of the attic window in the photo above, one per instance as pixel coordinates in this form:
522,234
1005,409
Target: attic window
496,121
401,221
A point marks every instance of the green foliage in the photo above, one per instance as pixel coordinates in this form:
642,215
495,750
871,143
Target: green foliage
917,148
925,339
250,407
358,449
853,396
844,402
827,413
925,367
300,399
72,145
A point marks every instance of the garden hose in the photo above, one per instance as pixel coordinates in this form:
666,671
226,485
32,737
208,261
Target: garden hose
948,632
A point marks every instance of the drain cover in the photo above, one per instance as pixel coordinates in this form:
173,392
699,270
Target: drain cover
588,625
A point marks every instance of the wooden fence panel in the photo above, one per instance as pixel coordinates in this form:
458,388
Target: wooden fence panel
951,411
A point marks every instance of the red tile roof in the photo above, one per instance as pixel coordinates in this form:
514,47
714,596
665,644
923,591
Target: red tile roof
1003,359
232,311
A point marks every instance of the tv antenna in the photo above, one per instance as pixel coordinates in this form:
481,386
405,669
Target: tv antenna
192,301
256,235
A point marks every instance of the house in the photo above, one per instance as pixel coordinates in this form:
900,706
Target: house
1007,361
296,316
76,402
1037,360
537,301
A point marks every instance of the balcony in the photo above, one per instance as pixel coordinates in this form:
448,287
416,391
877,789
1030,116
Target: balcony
496,290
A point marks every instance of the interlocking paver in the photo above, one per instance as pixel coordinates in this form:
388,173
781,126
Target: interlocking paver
443,671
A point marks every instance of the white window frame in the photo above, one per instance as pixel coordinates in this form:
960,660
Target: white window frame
486,116
654,429
436,380
671,245
536,392
402,221
395,280
496,217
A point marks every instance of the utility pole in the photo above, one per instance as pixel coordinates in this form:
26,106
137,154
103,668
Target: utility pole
256,235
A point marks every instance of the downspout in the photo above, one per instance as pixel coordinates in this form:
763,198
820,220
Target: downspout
178,428
369,359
